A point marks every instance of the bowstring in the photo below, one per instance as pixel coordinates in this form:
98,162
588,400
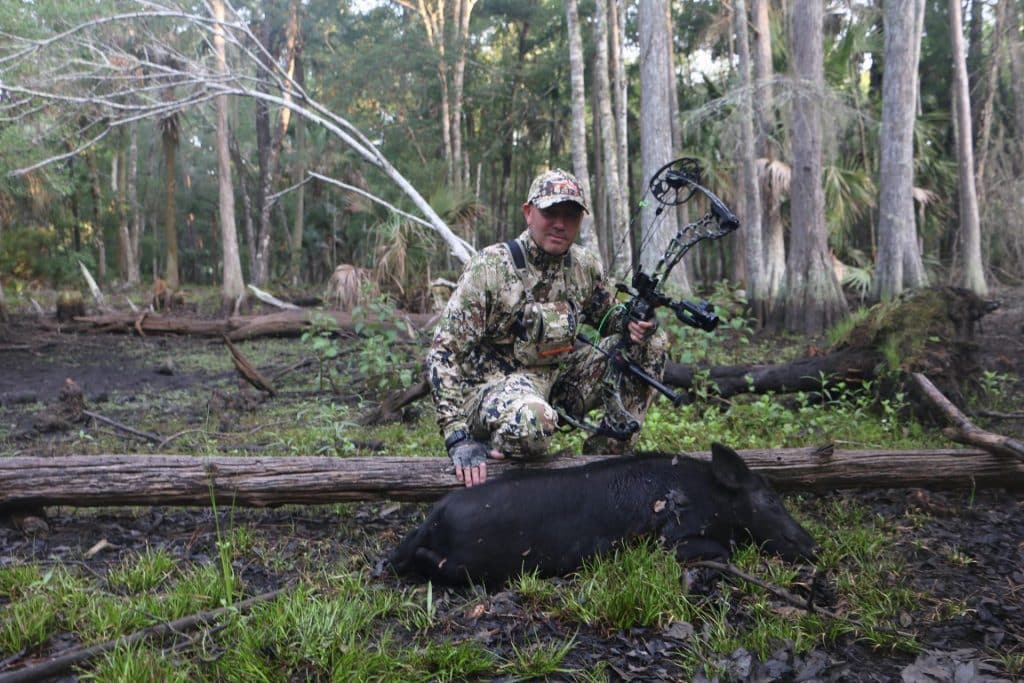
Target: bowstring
634,219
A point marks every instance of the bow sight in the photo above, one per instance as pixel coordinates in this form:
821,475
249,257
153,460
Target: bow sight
673,184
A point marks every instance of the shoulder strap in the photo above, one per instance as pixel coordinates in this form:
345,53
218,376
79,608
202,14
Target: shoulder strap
518,257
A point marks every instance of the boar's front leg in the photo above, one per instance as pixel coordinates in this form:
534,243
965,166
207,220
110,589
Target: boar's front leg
700,548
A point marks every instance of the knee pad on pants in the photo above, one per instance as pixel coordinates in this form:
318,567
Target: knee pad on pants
526,429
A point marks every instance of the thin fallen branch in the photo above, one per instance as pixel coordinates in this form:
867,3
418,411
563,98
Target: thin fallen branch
777,591
53,667
148,436
793,599
962,430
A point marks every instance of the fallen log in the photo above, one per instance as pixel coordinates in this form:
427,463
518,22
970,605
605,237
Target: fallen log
239,327
102,480
812,373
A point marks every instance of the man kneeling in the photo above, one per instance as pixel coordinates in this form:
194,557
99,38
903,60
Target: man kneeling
505,350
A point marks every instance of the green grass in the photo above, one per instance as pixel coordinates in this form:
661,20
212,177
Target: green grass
638,585
143,571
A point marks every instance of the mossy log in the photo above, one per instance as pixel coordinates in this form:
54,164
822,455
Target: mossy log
104,480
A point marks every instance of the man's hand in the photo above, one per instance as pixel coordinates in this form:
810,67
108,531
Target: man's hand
470,459
641,330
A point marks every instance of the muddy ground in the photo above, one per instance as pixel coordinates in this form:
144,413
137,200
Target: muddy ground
985,527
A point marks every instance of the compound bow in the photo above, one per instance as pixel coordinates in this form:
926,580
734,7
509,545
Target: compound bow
673,184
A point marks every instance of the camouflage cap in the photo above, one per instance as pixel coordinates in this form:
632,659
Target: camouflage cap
554,186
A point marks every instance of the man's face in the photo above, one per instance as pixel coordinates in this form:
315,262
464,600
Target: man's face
554,229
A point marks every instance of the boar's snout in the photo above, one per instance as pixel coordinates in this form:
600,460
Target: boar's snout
798,545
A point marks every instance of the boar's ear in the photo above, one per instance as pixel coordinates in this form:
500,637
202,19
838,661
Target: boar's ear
728,467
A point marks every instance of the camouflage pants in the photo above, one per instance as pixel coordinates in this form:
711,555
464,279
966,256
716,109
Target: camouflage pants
516,415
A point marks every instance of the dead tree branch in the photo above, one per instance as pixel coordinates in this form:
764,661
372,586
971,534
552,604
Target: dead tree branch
962,430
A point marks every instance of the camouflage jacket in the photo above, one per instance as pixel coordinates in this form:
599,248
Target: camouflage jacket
473,344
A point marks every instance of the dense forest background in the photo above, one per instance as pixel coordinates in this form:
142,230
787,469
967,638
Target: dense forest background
269,142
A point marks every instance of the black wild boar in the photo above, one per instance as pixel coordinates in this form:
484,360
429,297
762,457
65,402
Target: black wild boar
553,520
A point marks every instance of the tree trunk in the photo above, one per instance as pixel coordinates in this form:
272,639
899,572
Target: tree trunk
988,101
898,263
620,94
1016,55
973,276
299,223
772,231
464,8
659,226
169,140
96,192
812,300
232,291
247,208
101,480
753,241
618,230
580,166
433,14
975,55
272,154
599,202
681,273
134,275
125,257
